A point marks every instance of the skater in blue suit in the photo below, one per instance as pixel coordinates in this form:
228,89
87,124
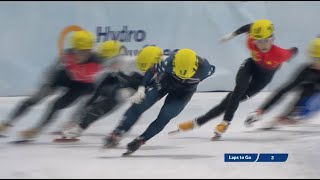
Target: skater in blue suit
177,77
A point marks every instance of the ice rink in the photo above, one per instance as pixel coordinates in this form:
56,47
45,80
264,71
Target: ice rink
185,155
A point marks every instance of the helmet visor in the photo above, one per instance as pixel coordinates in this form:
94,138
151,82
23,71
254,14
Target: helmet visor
263,41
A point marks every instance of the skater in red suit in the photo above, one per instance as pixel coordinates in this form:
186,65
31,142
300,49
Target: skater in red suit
254,74
75,71
306,82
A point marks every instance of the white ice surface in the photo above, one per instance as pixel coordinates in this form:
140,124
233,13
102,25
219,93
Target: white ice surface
186,155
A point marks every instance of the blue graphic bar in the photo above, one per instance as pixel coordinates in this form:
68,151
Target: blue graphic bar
263,157
272,157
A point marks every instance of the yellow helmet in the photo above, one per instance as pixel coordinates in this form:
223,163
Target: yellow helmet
314,48
261,29
148,56
185,63
110,49
82,40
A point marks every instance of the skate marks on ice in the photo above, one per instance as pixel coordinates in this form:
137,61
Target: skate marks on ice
164,156
232,139
280,134
64,145
284,131
121,149
304,129
192,138
97,146
145,148
3,136
65,140
36,142
154,148
255,136
90,134
22,142
84,134
273,135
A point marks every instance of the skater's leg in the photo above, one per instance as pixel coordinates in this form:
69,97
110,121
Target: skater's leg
89,115
104,92
97,110
242,81
260,79
173,105
135,111
43,92
214,112
50,82
305,103
132,115
70,96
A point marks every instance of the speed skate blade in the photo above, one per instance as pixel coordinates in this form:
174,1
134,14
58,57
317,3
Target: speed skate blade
24,141
273,125
216,137
55,133
110,145
268,128
66,140
174,132
128,153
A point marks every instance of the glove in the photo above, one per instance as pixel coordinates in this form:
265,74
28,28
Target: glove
252,117
295,50
139,95
226,37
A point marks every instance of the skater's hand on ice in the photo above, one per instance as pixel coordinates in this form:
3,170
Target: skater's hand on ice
226,38
252,117
139,95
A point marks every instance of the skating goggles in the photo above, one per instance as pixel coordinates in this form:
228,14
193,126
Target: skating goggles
82,52
263,41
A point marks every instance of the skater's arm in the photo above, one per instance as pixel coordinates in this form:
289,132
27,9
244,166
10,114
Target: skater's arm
280,93
161,67
208,69
287,55
148,76
50,72
243,29
293,53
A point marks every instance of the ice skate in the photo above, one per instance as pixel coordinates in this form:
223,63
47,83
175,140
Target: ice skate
27,136
185,126
3,128
220,129
133,146
111,141
70,135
